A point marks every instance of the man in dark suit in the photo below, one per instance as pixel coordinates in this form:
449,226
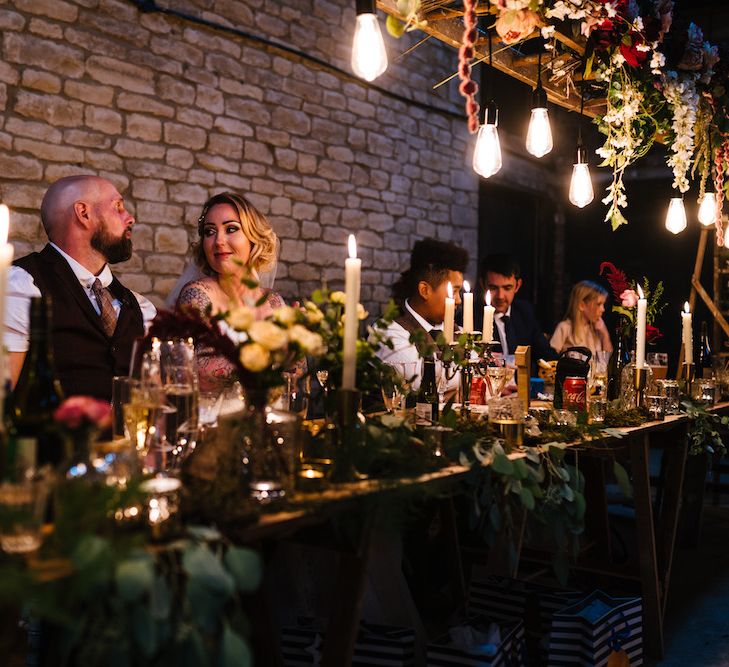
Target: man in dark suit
95,318
514,320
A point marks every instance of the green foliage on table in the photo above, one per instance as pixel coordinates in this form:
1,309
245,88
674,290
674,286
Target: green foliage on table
541,483
393,449
331,329
106,598
706,431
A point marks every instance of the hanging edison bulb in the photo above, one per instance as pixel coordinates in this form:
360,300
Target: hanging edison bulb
707,209
581,192
539,135
487,154
369,57
676,216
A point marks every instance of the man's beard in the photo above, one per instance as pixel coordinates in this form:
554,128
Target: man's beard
115,250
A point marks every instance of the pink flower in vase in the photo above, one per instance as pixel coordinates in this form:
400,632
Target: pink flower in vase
78,411
628,299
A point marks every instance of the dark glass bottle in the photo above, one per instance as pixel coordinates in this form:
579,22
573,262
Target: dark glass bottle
619,359
37,394
426,407
703,359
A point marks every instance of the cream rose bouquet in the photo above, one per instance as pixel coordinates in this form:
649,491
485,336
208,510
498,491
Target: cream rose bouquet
260,350
325,312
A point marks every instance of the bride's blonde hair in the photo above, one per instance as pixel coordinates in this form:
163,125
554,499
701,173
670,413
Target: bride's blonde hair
256,228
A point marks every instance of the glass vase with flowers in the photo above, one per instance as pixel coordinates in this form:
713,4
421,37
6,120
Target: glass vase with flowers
261,352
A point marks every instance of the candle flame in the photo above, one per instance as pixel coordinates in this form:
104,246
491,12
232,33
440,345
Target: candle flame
466,286
450,290
686,308
4,223
488,297
352,246
640,293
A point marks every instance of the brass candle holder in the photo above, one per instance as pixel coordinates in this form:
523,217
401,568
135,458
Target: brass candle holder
686,376
640,379
349,435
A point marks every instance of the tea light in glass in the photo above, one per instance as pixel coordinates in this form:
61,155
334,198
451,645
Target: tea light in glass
309,479
267,491
162,504
656,406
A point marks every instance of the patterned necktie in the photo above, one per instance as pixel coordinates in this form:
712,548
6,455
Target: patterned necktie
107,314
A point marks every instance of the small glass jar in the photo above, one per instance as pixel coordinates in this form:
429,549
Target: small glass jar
656,406
670,390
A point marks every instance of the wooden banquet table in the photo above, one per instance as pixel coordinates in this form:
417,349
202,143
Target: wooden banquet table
656,523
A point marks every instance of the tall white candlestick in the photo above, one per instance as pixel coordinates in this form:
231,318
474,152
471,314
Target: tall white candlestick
467,308
6,258
352,275
488,320
640,330
450,315
687,335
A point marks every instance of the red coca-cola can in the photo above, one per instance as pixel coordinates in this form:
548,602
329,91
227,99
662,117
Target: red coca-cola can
476,397
574,394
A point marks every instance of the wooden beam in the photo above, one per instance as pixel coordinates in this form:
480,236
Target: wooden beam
504,58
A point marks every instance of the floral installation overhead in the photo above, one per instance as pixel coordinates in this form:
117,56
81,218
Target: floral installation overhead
661,81
626,300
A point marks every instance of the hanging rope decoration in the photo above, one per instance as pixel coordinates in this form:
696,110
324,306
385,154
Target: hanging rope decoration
722,154
469,87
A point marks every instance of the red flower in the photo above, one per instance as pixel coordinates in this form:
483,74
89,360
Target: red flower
652,334
630,52
616,278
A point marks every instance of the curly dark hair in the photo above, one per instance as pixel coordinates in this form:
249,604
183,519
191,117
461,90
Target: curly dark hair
430,260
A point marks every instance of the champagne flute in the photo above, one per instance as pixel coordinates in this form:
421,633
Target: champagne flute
392,390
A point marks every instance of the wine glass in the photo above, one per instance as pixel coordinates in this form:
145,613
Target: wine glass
296,394
598,373
322,377
408,374
496,379
392,388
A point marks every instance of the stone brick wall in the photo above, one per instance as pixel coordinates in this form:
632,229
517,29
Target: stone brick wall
172,111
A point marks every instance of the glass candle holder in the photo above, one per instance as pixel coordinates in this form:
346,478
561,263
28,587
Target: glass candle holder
707,392
597,407
310,478
162,506
656,406
670,390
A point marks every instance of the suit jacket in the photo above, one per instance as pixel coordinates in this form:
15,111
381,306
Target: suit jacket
523,328
85,357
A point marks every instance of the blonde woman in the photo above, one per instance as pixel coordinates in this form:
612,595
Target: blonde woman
236,245
583,324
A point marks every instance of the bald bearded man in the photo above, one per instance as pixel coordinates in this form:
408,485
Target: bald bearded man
95,318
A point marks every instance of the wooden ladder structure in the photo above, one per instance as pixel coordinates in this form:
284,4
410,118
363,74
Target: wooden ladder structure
698,289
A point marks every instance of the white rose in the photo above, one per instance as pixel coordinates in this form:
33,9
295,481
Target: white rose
285,315
316,344
337,297
241,318
254,357
268,334
313,314
305,339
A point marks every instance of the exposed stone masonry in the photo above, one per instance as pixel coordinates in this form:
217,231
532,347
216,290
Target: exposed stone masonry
172,111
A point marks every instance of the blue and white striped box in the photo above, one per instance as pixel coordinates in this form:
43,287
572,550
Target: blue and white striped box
590,630
509,653
377,645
